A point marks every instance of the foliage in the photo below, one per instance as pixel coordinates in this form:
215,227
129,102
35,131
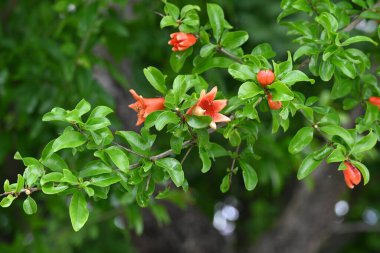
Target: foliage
118,160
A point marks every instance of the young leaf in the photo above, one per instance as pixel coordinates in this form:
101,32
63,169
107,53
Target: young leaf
232,40
29,206
295,76
156,79
363,170
225,185
249,175
280,91
78,211
7,201
20,183
338,131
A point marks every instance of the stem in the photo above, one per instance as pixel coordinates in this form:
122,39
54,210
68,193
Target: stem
233,164
159,14
131,151
31,190
229,55
186,155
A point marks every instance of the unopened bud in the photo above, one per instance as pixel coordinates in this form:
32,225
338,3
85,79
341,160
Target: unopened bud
27,192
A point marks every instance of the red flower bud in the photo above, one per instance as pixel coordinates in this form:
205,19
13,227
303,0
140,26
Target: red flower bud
265,77
182,41
352,175
274,105
145,106
375,101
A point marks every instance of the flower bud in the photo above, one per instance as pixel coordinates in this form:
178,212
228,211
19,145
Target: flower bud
274,105
265,77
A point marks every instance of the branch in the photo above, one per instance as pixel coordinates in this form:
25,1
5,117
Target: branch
27,191
229,55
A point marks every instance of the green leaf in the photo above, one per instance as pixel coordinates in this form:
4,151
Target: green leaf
94,168
280,91
93,124
168,21
198,122
265,50
156,79
105,180
83,107
328,22
173,168
295,76
302,138
20,183
69,177
7,201
338,131
165,118
78,211
241,72
363,170
232,40
368,14
69,139
100,112
365,143
356,39
225,185
249,90
326,70
137,143
176,144
308,165
204,155
203,64
119,158
55,163
249,175
29,206
207,50
347,67
58,114
323,152
216,18
177,59
172,10
50,188
336,156
342,87
51,177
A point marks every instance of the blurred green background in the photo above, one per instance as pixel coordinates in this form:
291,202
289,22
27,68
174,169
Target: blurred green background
54,53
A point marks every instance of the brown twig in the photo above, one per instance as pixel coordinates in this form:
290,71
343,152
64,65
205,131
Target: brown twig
27,191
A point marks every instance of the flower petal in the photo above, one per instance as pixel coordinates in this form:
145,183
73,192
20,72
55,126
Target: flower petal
219,104
218,117
211,95
136,96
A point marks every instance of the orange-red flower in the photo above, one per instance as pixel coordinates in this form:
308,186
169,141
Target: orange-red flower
273,105
145,106
182,41
208,106
352,175
375,101
265,77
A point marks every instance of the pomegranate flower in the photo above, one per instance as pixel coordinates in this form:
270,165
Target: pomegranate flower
208,106
145,106
182,41
352,175
375,101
